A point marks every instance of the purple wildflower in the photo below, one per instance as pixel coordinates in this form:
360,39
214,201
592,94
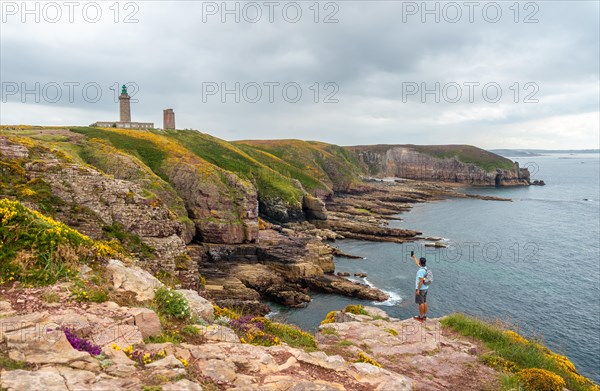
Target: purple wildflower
81,344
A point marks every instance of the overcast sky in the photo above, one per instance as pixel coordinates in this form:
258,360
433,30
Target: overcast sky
366,69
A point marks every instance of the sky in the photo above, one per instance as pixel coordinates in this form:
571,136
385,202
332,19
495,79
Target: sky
492,74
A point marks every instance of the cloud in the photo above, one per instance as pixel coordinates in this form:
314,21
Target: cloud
371,55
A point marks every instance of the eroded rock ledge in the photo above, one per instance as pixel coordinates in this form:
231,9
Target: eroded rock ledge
281,267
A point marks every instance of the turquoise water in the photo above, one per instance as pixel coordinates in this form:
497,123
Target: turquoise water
533,262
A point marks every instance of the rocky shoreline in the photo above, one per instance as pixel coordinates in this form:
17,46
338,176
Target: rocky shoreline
291,260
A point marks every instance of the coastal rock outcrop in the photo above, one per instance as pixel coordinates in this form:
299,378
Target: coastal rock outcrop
46,358
460,163
429,356
281,267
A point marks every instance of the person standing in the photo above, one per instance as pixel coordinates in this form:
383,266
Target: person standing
421,286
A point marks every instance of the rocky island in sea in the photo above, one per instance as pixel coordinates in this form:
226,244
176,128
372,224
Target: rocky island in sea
143,260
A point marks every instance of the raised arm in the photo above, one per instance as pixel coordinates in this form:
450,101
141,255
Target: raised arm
416,260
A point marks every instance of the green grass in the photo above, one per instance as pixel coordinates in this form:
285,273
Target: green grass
292,335
345,342
131,242
329,331
356,309
9,364
146,150
322,165
36,249
467,154
525,354
271,184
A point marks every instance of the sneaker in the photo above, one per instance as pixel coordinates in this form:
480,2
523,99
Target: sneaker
418,318
424,318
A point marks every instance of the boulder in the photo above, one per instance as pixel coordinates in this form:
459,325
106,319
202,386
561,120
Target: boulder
120,334
218,370
218,333
43,347
6,309
168,362
314,208
199,306
146,321
181,385
132,279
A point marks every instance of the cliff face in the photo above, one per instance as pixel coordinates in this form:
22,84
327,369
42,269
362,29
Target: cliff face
467,165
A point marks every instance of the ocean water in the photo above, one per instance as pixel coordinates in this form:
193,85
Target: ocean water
533,262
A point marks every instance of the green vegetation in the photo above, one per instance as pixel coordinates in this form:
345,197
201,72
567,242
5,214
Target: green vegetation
172,304
146,150
534,379
330,318
9,364
467,154
317,165
356,309
329,331
292,335
512,352
167,336
366,359
130,241
38,250
271,184
392,332
50,297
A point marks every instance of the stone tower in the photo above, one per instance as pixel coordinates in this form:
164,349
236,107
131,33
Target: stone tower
168,119
125,108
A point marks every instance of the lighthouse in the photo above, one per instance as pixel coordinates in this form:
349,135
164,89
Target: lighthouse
124,105
125,115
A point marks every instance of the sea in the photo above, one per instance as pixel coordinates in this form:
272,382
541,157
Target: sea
533,263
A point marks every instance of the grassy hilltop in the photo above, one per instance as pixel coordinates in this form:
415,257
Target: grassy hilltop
282,171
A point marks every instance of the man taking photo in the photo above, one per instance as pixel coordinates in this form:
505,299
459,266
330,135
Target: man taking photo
424,278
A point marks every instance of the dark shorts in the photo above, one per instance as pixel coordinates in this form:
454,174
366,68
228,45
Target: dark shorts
421,298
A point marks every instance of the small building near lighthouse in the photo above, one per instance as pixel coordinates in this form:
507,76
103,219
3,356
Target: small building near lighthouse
124,115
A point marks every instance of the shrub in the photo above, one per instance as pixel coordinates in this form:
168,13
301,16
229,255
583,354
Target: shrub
141,357
94,295
366,359
392,332
226,312
330,318
37,249
172,304
356,309
511,347
290,334
253,331
50,297
500,363
190,331
535,379
515,336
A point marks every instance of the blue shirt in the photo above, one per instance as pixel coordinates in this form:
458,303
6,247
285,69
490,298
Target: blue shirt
421,274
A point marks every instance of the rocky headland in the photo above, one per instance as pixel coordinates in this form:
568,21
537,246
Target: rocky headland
152,255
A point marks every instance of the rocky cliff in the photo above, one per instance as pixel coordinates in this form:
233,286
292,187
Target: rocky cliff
450,163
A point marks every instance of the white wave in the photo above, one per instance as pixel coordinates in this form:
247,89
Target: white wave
394,299
271,314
